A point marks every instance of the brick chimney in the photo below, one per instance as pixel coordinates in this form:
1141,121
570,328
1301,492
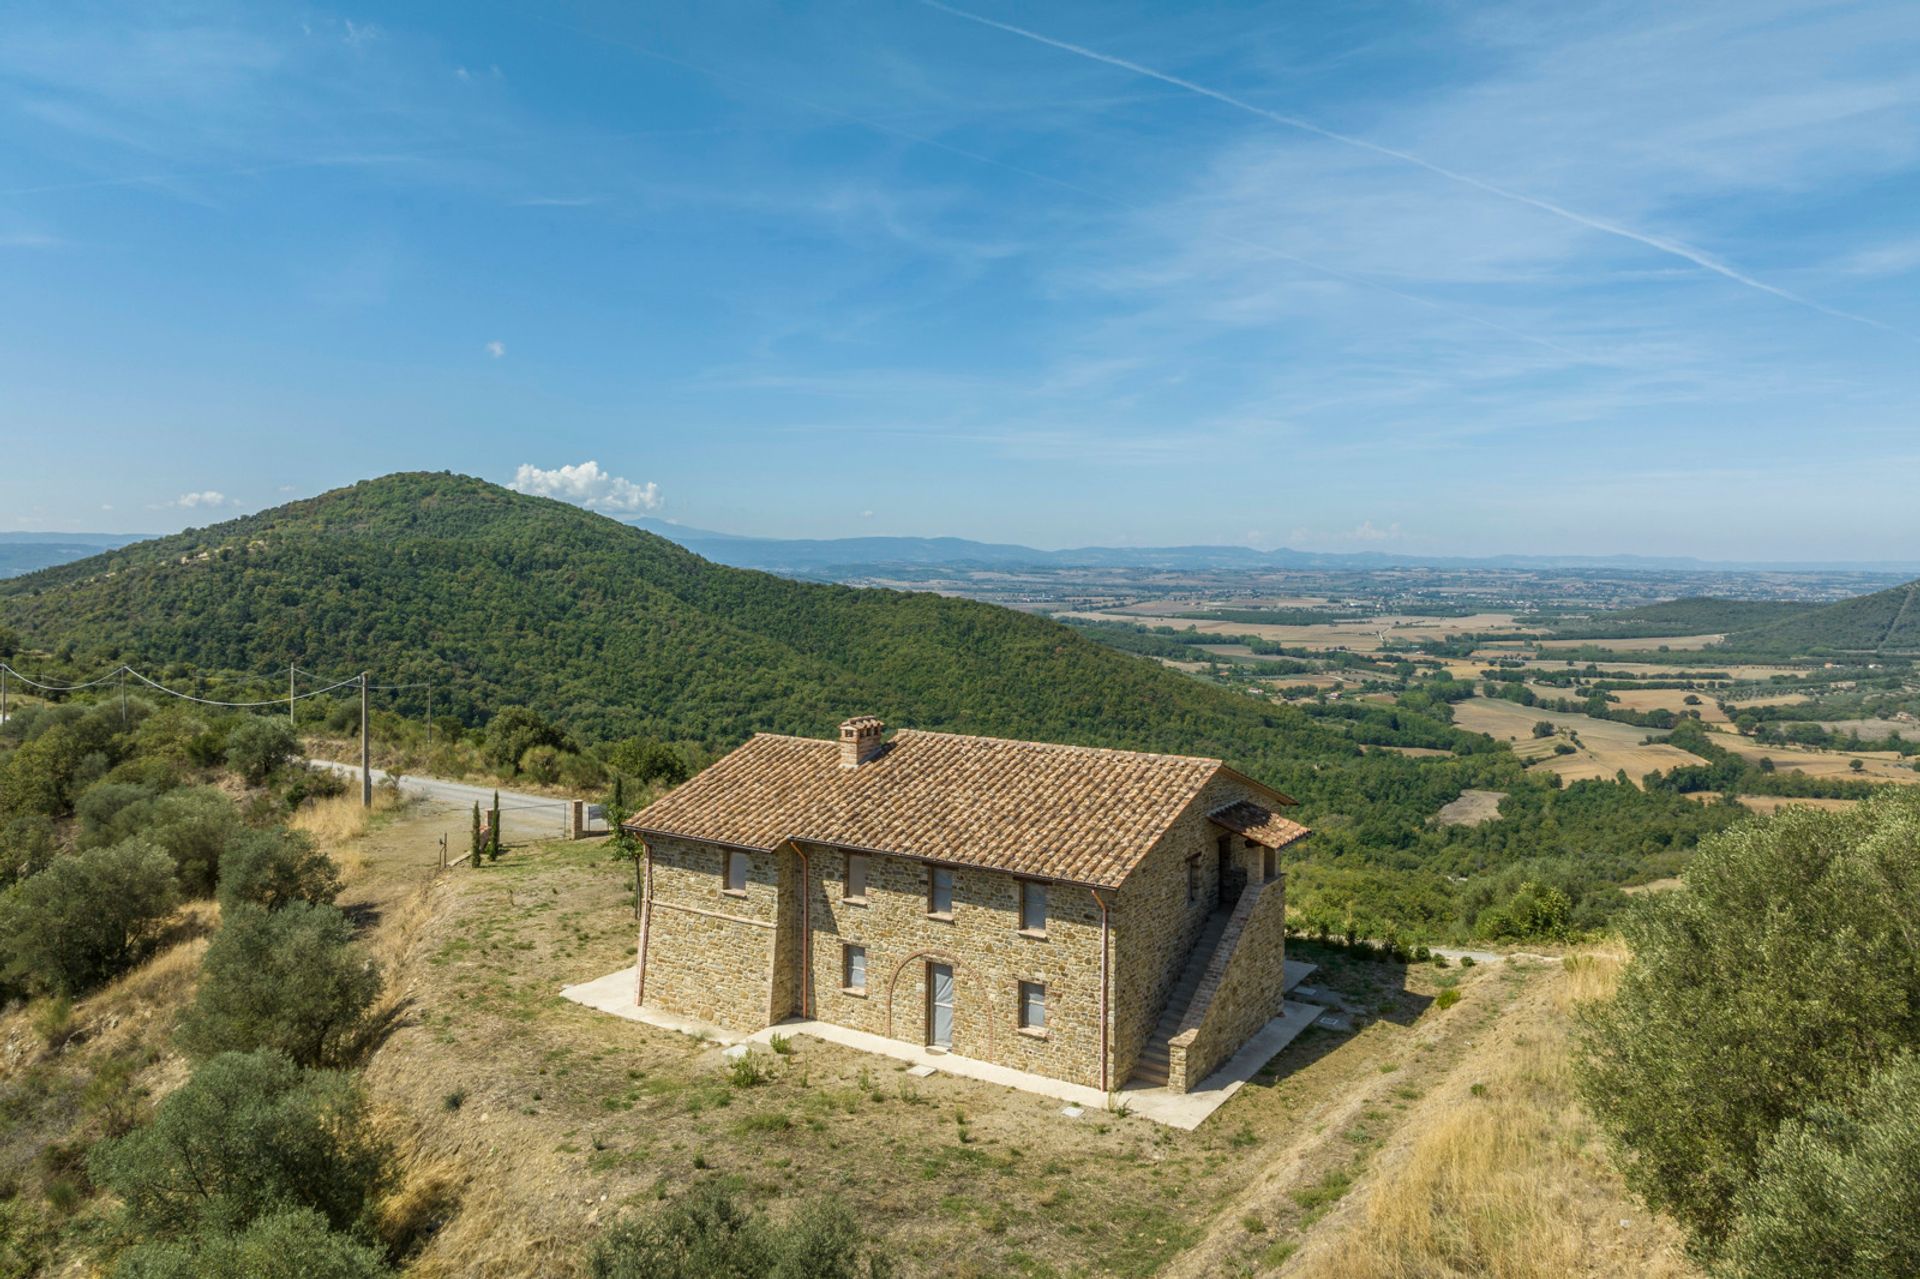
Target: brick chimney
860,740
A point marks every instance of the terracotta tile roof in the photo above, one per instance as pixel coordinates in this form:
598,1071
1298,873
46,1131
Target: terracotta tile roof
1058,812
1258,823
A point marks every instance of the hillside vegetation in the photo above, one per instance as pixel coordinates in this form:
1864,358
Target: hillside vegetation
1694,615
506,601
1885,621
502,599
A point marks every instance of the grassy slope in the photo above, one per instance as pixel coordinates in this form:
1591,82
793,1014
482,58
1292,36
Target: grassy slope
501,598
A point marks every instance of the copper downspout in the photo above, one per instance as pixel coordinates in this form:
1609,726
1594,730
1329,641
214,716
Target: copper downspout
1104,1066
806,930
646,923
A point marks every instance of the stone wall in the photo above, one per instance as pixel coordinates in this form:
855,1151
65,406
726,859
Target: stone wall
1155,926
1242,990
990,956
710,953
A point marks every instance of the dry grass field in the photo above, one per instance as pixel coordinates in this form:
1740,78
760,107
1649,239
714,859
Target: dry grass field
1356,636
567,1118
1873,730
1768,805
1671,643
1603,749
1670,699
1875,766
1500,1171
525,1123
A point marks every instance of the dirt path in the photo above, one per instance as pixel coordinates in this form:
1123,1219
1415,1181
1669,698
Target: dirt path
1337,1135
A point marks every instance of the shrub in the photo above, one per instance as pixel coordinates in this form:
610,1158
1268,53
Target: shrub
515,731
290,1243
706,1235
650,761
542,764
250,1134
85,918
1778,982
745,1071
194,826
261,747
274,868
1447,998
26,847
37,777
289,980
1838,1193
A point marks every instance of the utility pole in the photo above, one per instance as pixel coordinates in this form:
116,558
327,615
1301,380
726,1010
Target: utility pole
3,694
290,695
429,717
123,697
366,757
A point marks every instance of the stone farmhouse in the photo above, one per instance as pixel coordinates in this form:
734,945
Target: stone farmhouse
1094,916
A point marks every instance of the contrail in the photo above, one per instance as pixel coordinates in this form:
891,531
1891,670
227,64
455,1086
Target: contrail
1049,179
1660,243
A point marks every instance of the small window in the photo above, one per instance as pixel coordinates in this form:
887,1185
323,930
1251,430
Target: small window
1193,880
1033,1006
736,872
1266,864
939,891
853,964
856,877
1033,907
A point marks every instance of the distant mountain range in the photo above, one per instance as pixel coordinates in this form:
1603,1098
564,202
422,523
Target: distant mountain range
26,552
843,556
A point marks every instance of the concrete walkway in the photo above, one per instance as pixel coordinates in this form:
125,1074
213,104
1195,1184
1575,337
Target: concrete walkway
614,993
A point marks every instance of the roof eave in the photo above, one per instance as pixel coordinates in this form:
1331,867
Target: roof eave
841,846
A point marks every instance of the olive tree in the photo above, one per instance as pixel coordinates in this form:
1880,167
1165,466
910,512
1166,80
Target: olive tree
86,917
1779,980
288,979
249,1134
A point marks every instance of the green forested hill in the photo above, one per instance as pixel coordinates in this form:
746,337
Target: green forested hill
499,598
1886,621
1694,615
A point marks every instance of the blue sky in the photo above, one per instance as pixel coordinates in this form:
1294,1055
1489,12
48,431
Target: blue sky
1467,277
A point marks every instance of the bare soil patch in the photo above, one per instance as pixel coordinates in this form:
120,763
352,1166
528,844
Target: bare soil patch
1472,808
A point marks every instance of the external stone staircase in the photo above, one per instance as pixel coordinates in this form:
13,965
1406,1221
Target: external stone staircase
1151,1069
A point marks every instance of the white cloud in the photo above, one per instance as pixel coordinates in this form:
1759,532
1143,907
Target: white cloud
496,348
207,497
589,486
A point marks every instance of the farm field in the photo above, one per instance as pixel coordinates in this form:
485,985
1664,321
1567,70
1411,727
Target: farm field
1355,636
1603,750
1748,672
1876,766
1669,699
1647,644
1872,730
1767,805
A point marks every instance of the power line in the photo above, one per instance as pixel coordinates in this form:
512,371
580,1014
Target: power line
121,672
